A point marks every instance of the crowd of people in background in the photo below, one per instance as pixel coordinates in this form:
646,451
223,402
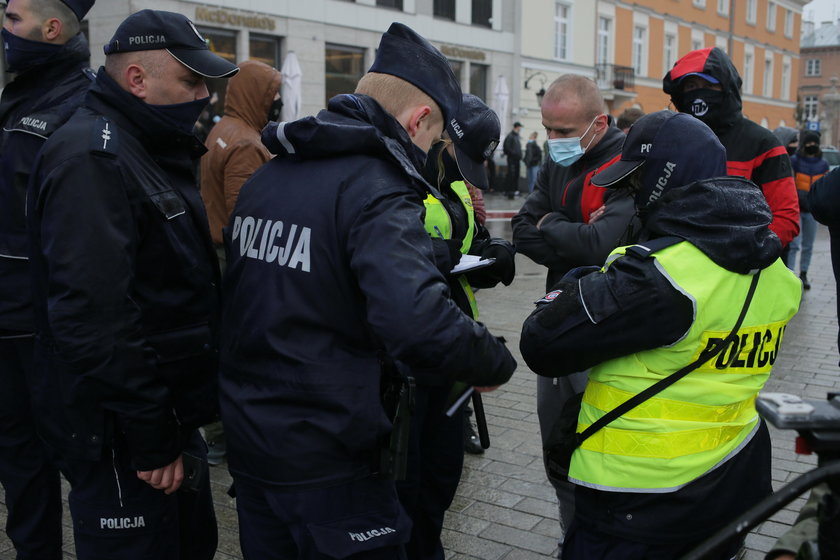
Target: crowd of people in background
297,299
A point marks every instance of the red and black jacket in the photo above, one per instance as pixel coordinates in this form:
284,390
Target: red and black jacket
752,151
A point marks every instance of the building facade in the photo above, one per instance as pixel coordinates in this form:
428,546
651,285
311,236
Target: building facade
819,100
334,41
760,36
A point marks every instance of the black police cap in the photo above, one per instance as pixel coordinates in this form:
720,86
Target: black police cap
407,55
79,7
150,30
475,132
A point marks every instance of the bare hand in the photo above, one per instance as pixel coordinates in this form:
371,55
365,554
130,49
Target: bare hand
597,213
168,478
486,389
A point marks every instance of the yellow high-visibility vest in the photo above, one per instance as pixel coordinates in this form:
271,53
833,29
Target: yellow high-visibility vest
704,418
438,222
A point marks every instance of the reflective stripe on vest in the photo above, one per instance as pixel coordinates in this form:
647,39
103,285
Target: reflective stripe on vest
704,418
438,222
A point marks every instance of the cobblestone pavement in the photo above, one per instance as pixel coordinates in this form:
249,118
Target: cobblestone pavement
505,507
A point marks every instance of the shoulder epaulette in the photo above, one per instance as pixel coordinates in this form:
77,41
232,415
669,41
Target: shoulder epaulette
103,137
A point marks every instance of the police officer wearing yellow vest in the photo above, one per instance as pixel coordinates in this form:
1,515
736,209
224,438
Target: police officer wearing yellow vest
659,479
436,448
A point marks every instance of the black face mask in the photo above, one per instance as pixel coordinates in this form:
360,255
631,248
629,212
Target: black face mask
274,110
705,104
182,116
791,150
811,150
451,173
23,54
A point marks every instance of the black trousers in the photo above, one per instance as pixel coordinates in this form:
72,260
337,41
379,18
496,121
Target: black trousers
32,483
435,461
512,179
117,515
356,520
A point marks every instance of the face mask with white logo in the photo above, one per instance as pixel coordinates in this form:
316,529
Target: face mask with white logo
566,151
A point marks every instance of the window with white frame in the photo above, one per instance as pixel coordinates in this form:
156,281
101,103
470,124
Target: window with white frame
604,34
771,16
785,80
670,52
639,42
788,23
700,4
748,73
562,13
813,67
723,7
810,107
767,86
752,9
696,44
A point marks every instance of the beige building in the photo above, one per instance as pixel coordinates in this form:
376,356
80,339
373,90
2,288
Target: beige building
819,99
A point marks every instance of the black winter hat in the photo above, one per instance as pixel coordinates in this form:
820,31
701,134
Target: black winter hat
405,54
79,7
150,30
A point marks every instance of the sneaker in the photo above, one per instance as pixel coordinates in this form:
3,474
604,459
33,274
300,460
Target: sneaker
216,453
472,443
804,277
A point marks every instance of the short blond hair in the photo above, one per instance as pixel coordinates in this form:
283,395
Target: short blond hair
396,95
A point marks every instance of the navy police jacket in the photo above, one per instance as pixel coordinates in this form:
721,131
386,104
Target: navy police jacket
330,267
124,282
33,106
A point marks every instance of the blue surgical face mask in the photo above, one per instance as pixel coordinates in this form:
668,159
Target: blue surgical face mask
566,151
22,54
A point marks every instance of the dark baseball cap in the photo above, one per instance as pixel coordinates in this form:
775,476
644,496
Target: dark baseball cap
475,132
79,7
151,30
675,149
405,54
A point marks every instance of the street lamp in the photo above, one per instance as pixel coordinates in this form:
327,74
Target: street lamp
543,79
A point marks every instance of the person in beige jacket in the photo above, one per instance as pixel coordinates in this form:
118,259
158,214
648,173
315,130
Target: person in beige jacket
234,153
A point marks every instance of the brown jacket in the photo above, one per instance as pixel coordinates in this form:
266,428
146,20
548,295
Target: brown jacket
234,147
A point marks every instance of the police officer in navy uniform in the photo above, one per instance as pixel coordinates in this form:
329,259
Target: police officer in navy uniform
49,59
331,287
436,443
126,298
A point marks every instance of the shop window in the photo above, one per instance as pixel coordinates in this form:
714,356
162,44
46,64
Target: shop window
396,4
223,43
478,80
265,48
344,67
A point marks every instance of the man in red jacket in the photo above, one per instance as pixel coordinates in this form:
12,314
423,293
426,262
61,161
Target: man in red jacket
704,83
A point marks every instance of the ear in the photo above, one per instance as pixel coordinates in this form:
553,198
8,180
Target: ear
135,80
417,118
51,30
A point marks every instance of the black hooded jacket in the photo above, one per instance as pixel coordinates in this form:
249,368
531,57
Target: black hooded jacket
752,151
566,197
330,269
642,309
33,106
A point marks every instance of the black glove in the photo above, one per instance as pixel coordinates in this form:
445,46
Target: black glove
268,136
447,253
503,270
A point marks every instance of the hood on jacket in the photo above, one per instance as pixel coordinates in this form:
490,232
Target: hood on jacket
715,63
251,92
352,124
727,218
